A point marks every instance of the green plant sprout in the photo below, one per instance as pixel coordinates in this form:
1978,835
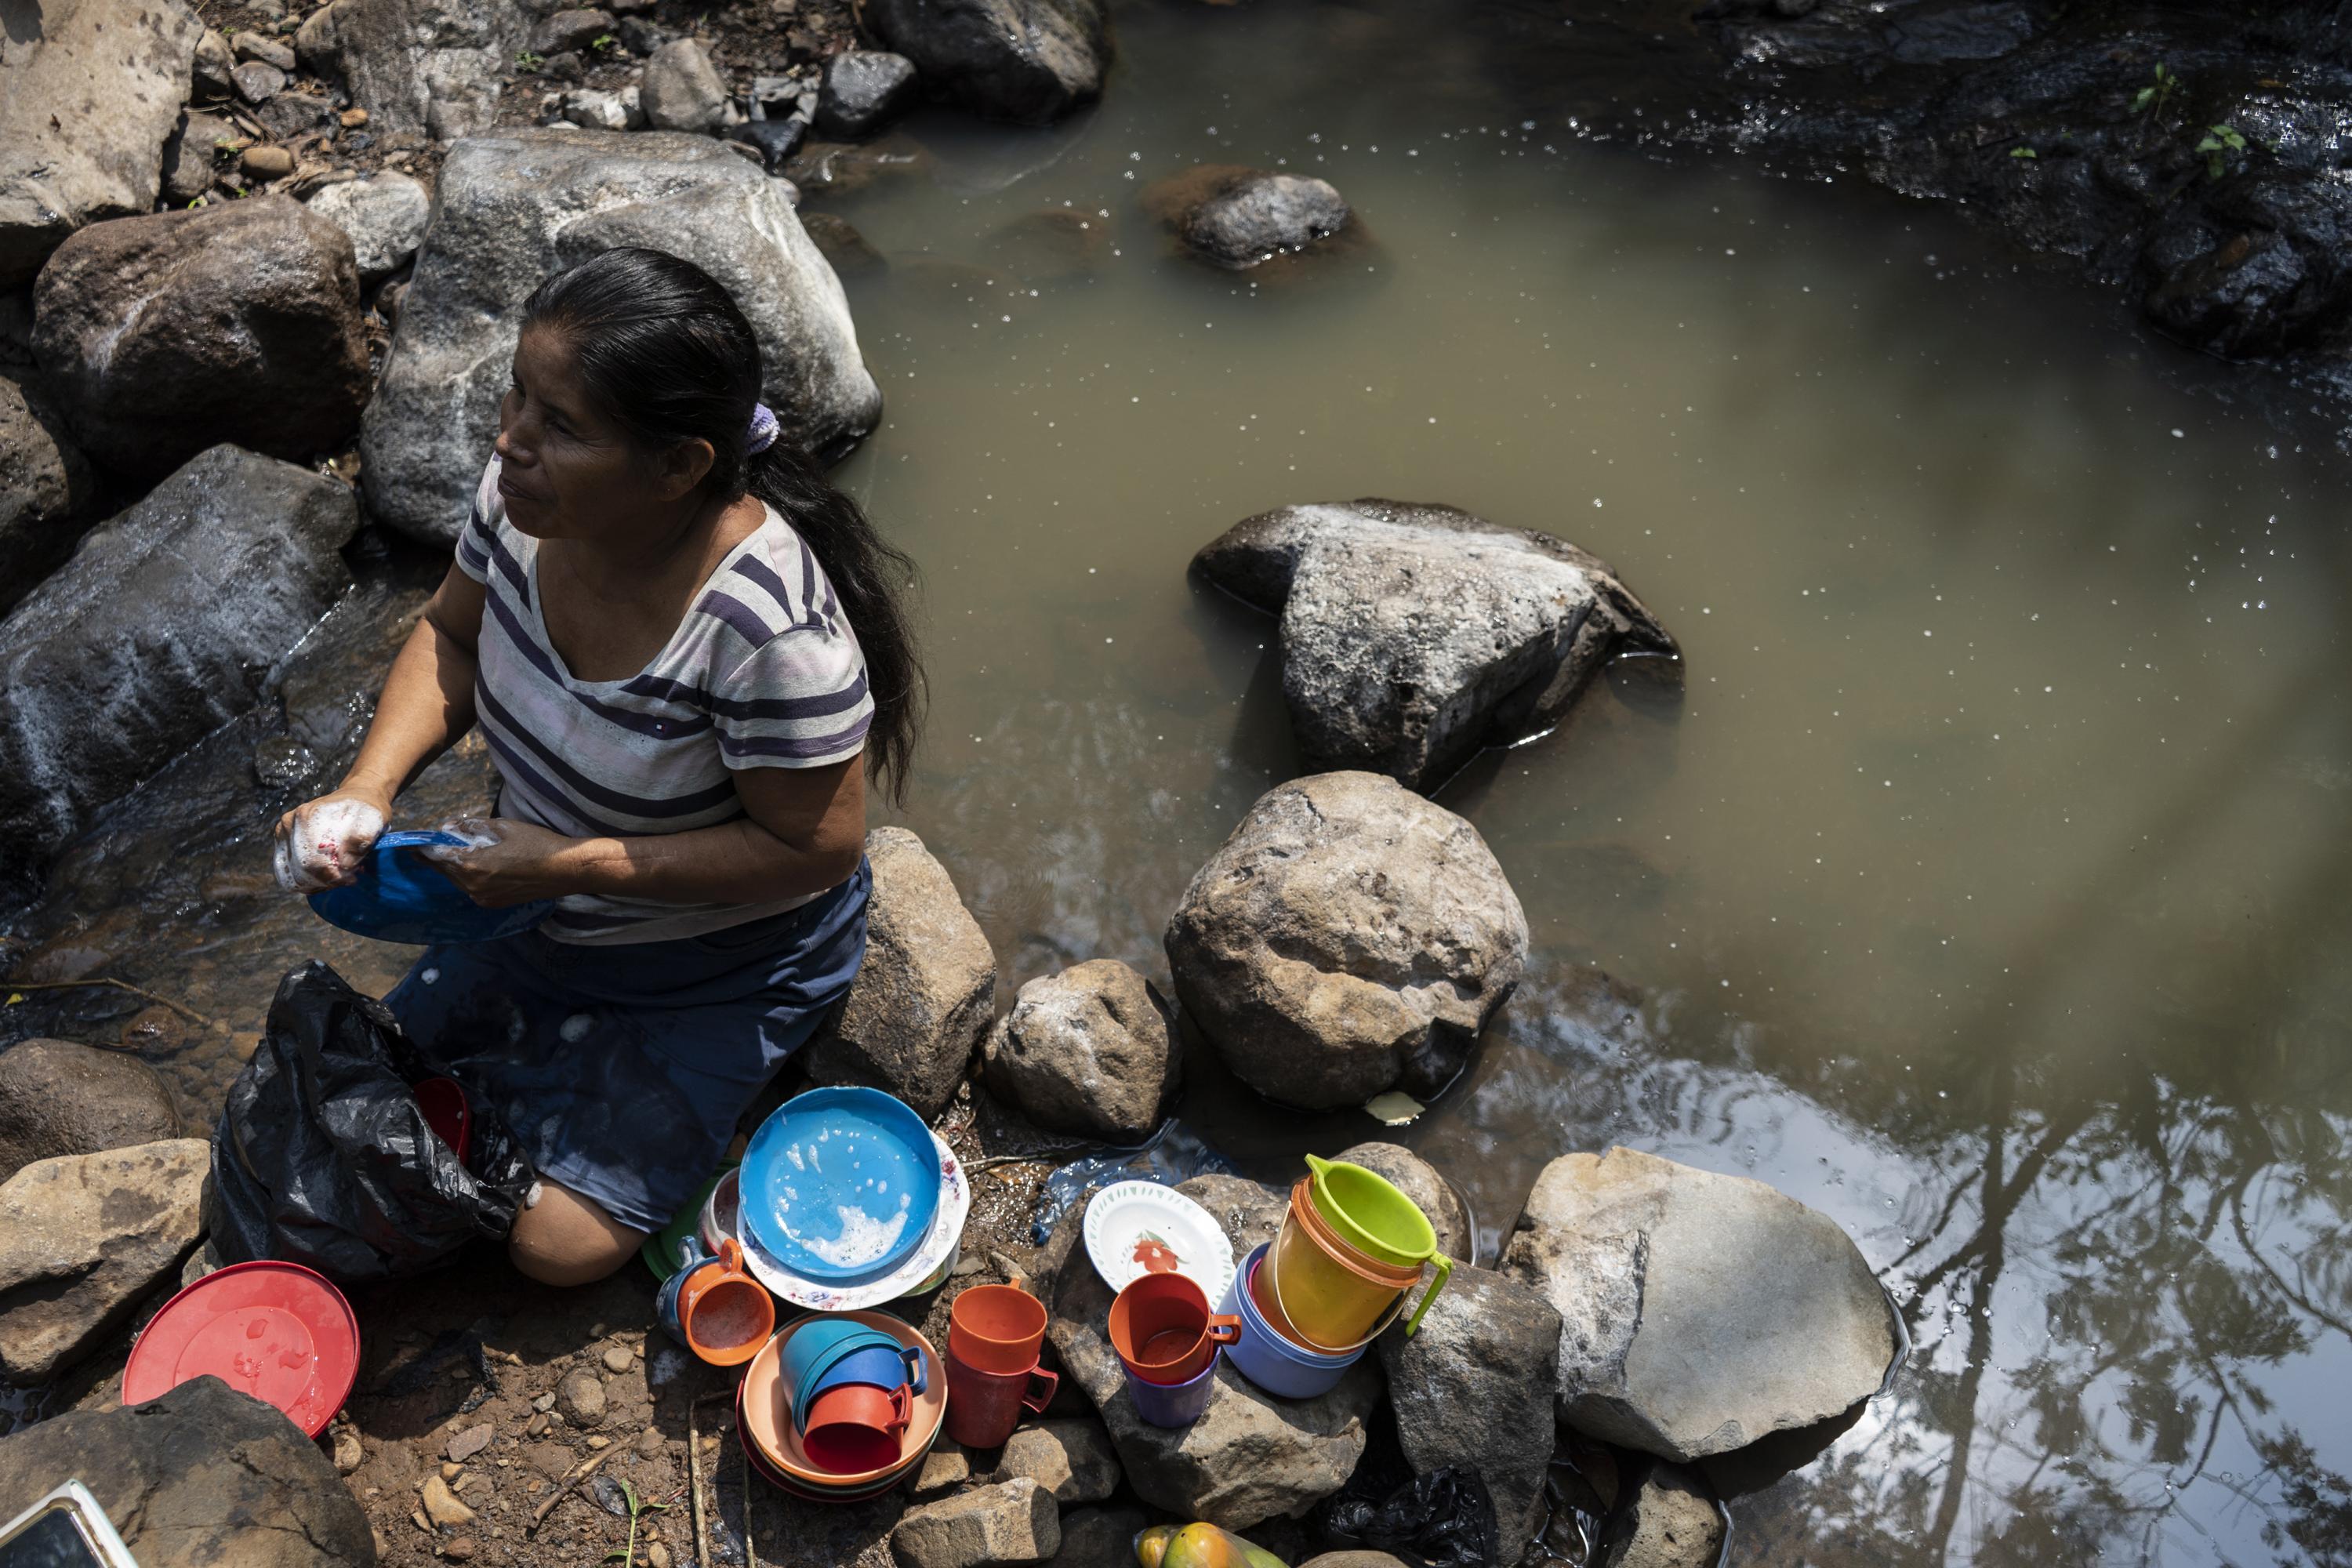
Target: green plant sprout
2152,98
602,43
637,1508
2024,153
2219,142
526,61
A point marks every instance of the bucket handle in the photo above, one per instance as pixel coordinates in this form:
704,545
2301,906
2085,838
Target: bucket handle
1444,1266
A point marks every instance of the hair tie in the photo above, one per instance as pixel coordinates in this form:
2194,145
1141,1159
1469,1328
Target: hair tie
763,431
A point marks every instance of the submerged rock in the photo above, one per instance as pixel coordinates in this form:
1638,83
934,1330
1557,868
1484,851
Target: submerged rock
1349,937
1030,62
165,335
45,487
923,998
1088,1051
164,625
60,1098
1239,216
89,91
1414,634
864,90
1699,1311
429,66
201,1475
384,217
512,208
83,1239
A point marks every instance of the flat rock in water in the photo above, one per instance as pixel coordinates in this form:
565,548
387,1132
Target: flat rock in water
83,1239
1414,634
1349,937
89,91
1419,1180
1091,1050
1238,216
201,1475
45,488
1671,1521
164,625
384,215
1473,1389
239,322
1699,1311
57,1097
512,208
916,1011
429,66
1030,62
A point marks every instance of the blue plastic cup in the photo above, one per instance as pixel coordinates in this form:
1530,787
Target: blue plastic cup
894,1366
813,1344
1173,1404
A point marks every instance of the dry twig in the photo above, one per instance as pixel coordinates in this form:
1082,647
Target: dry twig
188,1012
580,1472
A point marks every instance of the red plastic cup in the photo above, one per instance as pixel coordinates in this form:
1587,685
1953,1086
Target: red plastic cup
997,1328
857,1419
983,1407
1162,1329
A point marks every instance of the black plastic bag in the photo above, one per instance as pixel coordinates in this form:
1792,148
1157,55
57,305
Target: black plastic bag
1443,1519
324,1157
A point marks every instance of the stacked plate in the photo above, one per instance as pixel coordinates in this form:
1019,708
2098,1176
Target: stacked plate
763,1416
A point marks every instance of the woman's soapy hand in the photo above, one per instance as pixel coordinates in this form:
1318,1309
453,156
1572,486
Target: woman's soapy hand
504,861
322,842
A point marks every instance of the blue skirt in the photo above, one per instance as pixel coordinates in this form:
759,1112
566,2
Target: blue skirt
623,1068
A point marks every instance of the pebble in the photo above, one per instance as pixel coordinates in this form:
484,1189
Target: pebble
458,1550
450,1472
347,1453
268,162
258,82
545,1402
581,1397
417,1517
441,1504
600,1441
269,51
352,118
658,1555
649,1442
469,1442
537,1425
618,1359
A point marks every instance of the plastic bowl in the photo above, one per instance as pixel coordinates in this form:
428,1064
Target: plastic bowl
1281,1368
858,1170
769,1433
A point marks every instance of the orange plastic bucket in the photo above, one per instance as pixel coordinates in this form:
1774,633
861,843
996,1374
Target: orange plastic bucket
1329,1294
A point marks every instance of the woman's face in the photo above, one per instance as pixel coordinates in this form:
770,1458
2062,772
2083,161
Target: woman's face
567,470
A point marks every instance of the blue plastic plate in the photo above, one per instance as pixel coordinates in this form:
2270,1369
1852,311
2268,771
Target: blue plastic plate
407,898
841,1183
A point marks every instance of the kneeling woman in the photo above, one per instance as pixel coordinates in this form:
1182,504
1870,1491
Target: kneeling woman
679,641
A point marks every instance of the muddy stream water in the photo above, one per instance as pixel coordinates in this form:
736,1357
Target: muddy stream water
1984,889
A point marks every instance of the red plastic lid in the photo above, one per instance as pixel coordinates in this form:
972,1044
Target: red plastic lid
277,1331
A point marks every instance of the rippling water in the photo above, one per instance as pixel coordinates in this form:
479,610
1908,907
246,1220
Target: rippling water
1985,891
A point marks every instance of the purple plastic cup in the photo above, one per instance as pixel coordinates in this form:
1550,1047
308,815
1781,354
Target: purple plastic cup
1173,1404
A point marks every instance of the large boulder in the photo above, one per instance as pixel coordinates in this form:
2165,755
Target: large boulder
164,627
89,91
513,208
429,66
84,1238
1025,60
1699,1311
1414,634
1473,1385
44,487
384,216
1088,1051
239,322
1419,1180
1238,216
201,1475
1350,937
923,996
60,1098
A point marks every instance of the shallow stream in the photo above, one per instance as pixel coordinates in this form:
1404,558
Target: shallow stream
1985,889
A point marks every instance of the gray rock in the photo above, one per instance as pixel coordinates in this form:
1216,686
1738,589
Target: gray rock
571,31
257,81
190,161
921,999
775,141
1013,1521
1413,634
1098,1537
252,46
164,627
1671,1522
428,65
1419,1180
89,91
1350,937
203,1474
45,487
1025,60
239,322
1071,1459
83,1239
864,90
384,215
1089,1051
1249,1457
509,210
580,1395
1699,1312
943,1470
1238,216
290,116
597,109
1249,1213
1472,1388
210,73
58,1098
681,90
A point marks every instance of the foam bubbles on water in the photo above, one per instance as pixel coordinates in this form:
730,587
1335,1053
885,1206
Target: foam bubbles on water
862,1238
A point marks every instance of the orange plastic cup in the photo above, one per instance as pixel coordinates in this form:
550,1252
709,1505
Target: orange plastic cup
996,1329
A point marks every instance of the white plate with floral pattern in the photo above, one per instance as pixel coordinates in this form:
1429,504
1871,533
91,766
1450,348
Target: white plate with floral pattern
934,1257
1134,1229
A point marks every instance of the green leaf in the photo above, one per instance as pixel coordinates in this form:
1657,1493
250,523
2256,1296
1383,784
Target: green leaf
2024,153
2143,98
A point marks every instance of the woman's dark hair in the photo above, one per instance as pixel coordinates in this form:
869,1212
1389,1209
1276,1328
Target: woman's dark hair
673,359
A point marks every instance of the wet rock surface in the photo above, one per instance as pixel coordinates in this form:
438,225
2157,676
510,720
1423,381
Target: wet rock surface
89,92
59,1096
164,335
923,996
1349,937
1030,62
1699,1312
1091,1050
83,1239
166,623
1413,634
201,1475
1238,216
45,487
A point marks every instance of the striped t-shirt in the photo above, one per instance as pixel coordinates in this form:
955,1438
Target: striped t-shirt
763,671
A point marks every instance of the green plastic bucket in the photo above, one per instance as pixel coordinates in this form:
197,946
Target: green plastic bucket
1370,1212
